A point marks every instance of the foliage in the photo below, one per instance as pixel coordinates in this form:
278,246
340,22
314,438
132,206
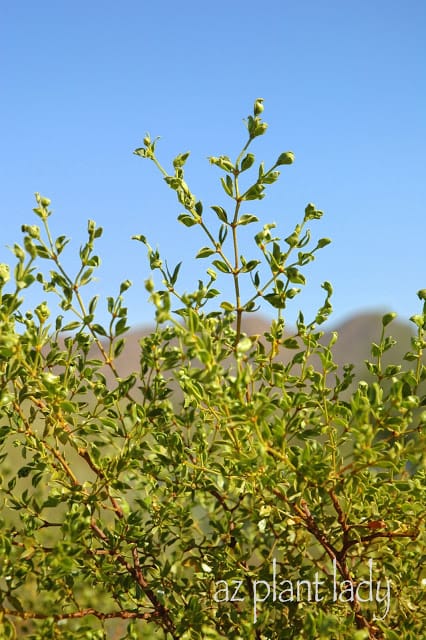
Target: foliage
216,492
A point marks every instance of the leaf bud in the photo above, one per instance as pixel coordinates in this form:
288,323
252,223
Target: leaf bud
149,285
32,229
4,273
285,158
125,285
42,200
258,107
42,312
387,318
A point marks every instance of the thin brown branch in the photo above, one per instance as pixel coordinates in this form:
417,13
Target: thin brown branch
82,613
136,572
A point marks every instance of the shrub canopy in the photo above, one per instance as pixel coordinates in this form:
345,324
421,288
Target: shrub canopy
232,486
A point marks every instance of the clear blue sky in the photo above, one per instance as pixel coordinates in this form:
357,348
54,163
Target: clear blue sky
344,88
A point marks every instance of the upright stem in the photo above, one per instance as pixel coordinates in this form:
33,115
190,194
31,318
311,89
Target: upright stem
235,270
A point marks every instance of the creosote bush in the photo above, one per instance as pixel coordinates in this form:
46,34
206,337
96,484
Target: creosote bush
221,490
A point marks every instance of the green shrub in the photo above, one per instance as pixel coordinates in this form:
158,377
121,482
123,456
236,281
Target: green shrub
219,490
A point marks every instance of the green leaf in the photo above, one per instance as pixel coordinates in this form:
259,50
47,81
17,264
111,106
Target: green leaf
227,306
271,177
42,252
323,242
85,277
256,192
247,218
293,239
291,343
294,275
205,252
187,220
180,160
249,266
98,328
312,213
276,300
221,213
223,232
327,287
291,293
247,162
71,326
221,266
118,347
244,345
175,274
140,238
121,326
223,163
227,185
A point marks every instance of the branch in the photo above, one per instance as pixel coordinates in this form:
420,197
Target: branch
124,615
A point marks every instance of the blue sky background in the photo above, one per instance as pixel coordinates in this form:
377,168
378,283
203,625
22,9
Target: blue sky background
344,88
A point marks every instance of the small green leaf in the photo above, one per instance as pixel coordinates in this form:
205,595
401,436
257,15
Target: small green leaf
291,293
4,273
85,277
97,328
312,213
323,242
175,274
140,238
180,160
294,275
247,218
223,232
418,320
361,634
254,193
221,266
205,252
223,163
276,300
249,266
71,326
327,287
244,345
42,252
292,239
247,162
187,220
271,177
227,306
291,343
221,213
228,185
